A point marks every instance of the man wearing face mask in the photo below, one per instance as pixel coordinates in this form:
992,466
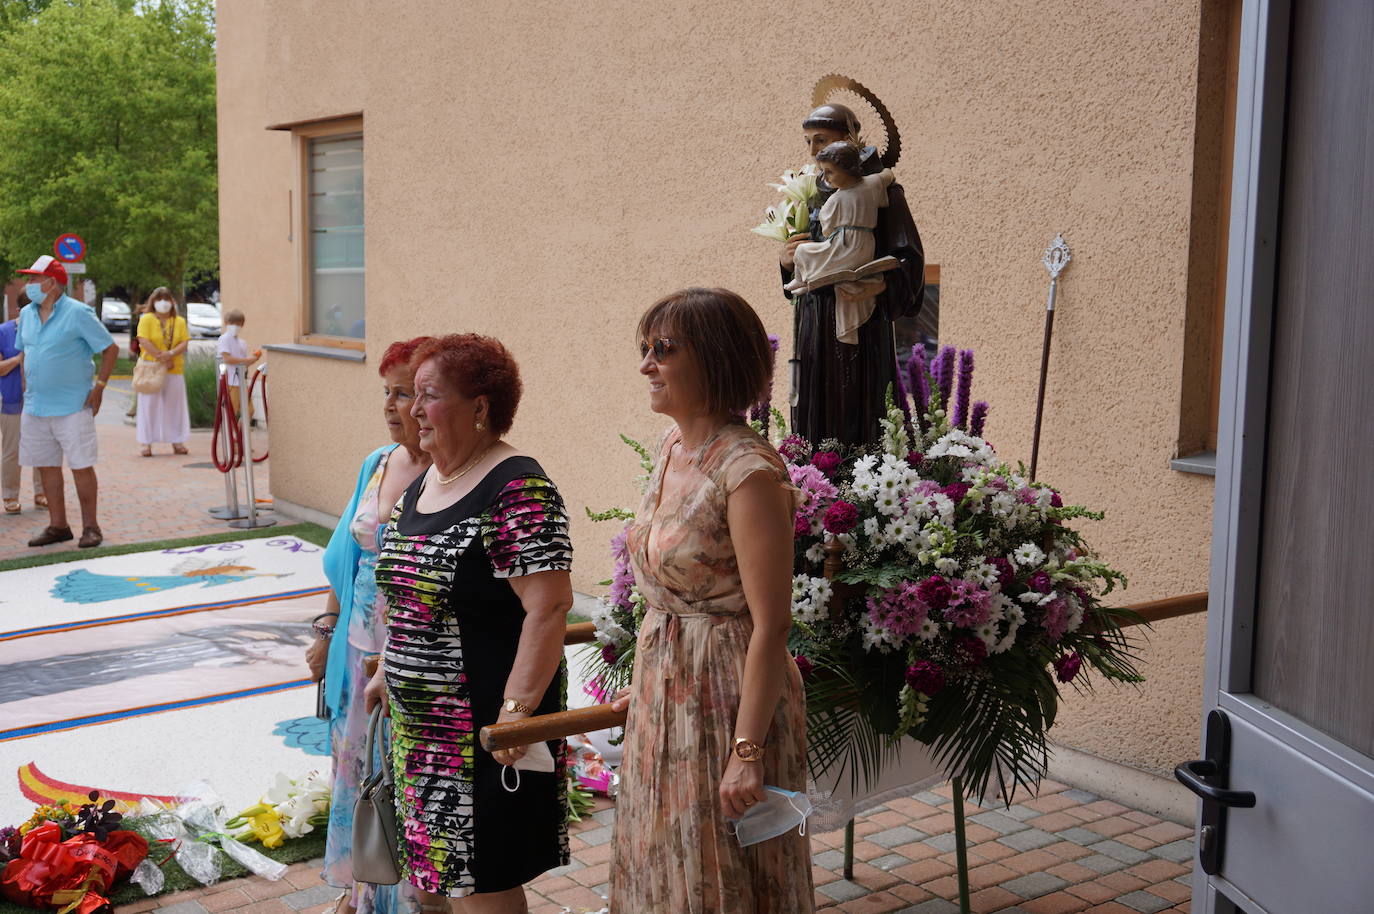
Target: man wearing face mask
58,335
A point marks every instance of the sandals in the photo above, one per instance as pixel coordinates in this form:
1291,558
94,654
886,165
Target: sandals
40,500
180,449
12,506
147,451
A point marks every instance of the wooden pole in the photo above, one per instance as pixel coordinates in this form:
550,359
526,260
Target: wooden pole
960,843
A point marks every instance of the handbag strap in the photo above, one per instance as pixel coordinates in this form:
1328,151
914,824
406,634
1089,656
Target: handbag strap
375,746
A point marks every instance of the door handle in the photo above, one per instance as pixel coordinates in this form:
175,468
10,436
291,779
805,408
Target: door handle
1191,775
1210,779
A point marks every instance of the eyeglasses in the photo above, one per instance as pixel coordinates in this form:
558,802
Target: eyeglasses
661,348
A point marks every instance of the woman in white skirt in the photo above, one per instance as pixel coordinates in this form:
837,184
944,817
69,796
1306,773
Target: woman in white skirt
163,337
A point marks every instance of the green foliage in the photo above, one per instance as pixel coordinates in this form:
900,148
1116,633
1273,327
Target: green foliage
841,737
609,514
202,386
107,129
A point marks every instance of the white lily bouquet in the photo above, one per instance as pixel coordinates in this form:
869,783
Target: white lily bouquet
792,214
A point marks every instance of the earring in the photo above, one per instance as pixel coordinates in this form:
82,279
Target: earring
479,425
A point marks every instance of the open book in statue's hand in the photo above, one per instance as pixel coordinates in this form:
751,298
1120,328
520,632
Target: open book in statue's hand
872,268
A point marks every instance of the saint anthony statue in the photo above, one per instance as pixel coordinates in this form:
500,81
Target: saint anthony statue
838,387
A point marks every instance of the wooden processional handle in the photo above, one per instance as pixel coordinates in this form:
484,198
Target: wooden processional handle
550,726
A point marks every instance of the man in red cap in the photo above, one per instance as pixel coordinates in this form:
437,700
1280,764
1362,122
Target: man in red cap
58,335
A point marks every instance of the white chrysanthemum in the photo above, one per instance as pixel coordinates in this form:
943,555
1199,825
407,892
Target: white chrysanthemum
1016,615
987,633
851,545
888,503
1044,496
1028,555
865,486
1075,617
1002,504
928,630
821,590
1003,608
946,565
871,526
816,553
983,574
865,464
942,505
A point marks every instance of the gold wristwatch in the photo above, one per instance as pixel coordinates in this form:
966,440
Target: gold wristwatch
748,750
514,705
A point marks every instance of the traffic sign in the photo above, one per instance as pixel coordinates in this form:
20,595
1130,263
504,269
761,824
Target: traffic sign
74,269
69,247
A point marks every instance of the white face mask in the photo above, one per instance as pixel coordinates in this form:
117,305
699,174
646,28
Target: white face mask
162,305
779,813
231,329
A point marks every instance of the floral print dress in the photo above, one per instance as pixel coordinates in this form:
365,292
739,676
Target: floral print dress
673,851
453,625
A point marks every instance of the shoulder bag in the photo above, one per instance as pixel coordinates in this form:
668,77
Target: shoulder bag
149,376
374,815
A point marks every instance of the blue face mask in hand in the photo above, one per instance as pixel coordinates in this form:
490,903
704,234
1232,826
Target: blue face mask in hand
780,812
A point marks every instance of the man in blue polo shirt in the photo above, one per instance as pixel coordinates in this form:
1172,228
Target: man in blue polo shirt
58,336
12,404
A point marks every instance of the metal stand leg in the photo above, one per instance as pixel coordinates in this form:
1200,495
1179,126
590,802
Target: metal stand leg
960,844
252,520
849,850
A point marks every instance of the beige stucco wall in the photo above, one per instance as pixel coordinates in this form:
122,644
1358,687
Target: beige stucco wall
542,171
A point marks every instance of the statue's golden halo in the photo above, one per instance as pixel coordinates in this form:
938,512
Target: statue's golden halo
837,89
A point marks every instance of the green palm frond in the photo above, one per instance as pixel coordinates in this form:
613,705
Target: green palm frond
841,738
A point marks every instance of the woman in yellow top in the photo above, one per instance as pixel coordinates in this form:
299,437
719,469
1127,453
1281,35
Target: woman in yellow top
163,337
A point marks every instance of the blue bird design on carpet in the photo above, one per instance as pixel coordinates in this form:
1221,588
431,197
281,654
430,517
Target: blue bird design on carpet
309,734
82,586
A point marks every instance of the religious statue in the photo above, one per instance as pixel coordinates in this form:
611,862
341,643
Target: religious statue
849,284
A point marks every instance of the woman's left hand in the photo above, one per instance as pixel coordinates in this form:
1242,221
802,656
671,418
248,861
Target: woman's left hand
742,786
515,753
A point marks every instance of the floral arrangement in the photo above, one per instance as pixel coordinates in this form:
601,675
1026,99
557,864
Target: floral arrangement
291,808
792,214
960,595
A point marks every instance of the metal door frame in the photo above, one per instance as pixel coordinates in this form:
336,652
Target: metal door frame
1242,422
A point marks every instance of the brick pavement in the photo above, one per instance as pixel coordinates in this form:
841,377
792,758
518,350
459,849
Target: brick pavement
141,499
1064,852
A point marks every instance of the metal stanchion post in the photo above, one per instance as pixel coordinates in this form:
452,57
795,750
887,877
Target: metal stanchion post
231,509
245,423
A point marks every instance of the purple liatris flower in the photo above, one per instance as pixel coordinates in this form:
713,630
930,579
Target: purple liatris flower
826,461
925,677
1040,582
965,388
1067,666
622,575
944,378
773,343
918,381
795,449
978,418
804,666
841,517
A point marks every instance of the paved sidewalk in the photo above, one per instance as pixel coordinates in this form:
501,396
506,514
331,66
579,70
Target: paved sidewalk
1064,852
141,498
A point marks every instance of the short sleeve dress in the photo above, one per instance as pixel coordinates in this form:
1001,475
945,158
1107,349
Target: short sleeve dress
453,625
672,850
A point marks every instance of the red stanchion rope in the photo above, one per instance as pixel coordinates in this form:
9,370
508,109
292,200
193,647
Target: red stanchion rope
266,418
226,425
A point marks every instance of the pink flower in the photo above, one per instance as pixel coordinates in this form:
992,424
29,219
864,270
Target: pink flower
1067,666
841,517
1040,582
934,592
801,526
804,666
1056,619
969,605
899,610
976,650
1005,573
925,677
1055,500
794,449
914,459
608,653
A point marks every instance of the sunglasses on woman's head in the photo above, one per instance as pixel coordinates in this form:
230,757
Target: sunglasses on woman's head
660,348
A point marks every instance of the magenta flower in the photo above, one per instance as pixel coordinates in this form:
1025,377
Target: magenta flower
969,605
1040,582
804,666
801,526
976,650
914,459
925,677
899,610
1005,573
956,491
608,653
934,592
841,517
1056,619
795,449
1055,500
826,461
1067,666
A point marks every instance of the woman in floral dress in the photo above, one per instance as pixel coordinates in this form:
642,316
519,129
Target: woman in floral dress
715,708
357,613
474,569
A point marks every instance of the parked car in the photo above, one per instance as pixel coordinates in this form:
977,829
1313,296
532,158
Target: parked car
114,314
203,320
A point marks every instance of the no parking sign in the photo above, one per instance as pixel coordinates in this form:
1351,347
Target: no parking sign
69,247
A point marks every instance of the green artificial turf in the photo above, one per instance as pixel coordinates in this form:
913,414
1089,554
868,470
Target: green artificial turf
309,847
312,533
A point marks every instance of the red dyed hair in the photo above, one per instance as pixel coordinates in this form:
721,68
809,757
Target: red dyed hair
401,351
477,366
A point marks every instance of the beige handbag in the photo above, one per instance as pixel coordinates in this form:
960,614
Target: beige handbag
149,376
374,815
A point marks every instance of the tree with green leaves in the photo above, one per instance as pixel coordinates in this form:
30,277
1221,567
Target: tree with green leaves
107,129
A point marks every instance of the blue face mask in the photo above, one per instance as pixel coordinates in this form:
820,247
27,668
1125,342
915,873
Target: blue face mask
780,812
34,291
